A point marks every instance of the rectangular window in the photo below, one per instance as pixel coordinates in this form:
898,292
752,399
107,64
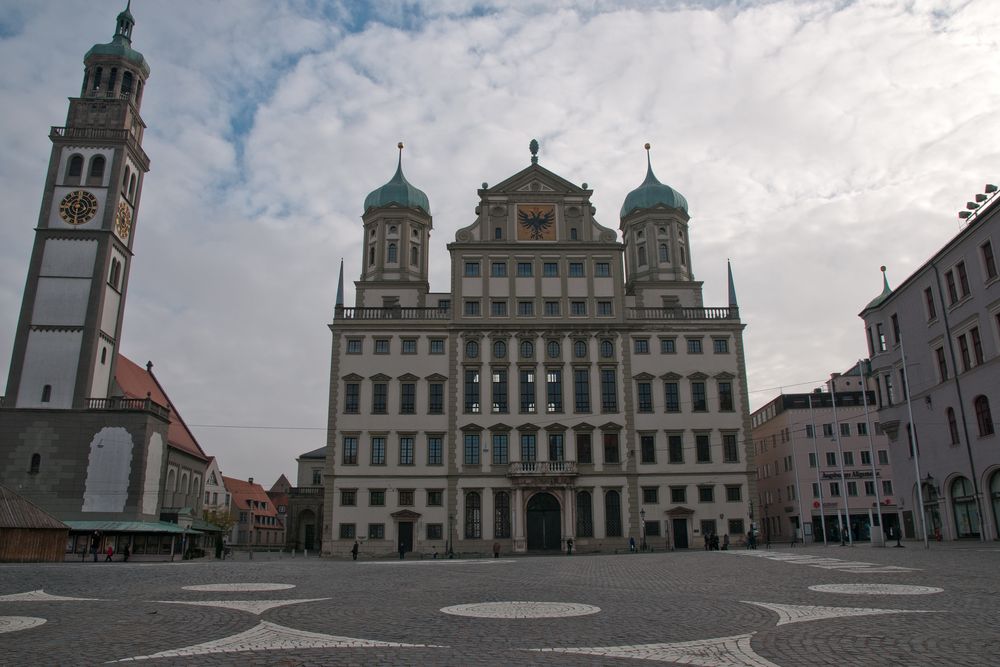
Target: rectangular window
963,350
527,390
989,261
977,345
602,269
869,488
605,309
644,392
550,269
576,269
557,447
675,448
471,441
949,279
472,390
581,389
524,269
376,497
406,497
501,454
437,346
529,447
378,451
887,487
883,457
678,494
827,430
845,430
380,398
435,531
812,459
720,346
347,531
734,494
435,498
942,364
408,346
694,346
882,345
726,396
647,448
406,451
852,488
672,396
668,346
551,308
350,447
834,489
578,308
381,346
553,390
407,398
611,448
650,495
963,279
435,447
848,458
809,431
500,390
831,458
352,398
730,450
376,531
353,346
894,321
498,269
584,451
498,309
866,458
609,391
526,308
472,269
435,405
472,307
698,401
641,345
348,497
703,448
706,494
815,487
929,304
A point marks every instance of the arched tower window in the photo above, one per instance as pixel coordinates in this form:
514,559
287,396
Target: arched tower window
128,172
74,170
664,253
116,269
97,78
36,464
184,483
498,233
391,254
641,254
612,514
414,255
172,480
371,256
473,516
952,425
96,174
112,80
680,251
104,355
127,84
86,80
131,187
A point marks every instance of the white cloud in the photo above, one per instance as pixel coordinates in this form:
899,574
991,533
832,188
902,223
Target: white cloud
813,141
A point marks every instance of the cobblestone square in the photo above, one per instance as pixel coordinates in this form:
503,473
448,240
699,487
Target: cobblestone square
784,607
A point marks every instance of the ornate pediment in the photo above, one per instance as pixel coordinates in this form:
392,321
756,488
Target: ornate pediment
380,377
406,515
352,377
436,377
671,376
643,376
408,377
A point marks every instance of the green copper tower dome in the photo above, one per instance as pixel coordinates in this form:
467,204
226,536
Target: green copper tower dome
120,45
398,191
652,193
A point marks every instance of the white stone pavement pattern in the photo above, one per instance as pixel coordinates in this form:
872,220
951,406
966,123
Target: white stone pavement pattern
690,608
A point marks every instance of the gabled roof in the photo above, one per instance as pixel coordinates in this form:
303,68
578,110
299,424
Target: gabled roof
18,512
136,382
246,493
280,485
314,454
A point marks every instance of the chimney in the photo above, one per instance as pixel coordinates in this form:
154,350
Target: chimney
250,480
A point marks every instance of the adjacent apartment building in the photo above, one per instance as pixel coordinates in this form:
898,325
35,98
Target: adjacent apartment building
572,390
823,467
943,322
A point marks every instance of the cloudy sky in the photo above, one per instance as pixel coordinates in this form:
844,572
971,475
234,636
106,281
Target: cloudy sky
814,142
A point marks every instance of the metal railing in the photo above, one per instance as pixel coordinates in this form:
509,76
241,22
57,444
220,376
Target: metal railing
100,134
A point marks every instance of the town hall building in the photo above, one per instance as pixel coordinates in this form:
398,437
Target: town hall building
571,391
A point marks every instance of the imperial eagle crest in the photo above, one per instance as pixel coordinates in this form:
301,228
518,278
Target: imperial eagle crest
537,221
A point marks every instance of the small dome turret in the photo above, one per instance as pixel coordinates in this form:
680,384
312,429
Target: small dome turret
120,45
398,191
652,193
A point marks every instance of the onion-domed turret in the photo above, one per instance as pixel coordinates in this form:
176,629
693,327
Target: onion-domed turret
120,45
398,191
652,193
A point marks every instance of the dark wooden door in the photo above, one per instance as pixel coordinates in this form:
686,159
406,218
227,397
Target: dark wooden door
680,533
406,535
543,523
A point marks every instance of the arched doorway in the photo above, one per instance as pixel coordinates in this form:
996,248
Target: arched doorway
543,523
963,501
995,498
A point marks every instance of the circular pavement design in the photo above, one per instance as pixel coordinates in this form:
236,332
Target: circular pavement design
15,623
231,588
521,609
875,589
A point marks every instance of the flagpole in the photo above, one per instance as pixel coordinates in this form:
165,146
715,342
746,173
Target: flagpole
819,484
913,443
840,458
871,447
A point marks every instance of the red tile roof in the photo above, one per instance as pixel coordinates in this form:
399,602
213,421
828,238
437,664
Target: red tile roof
244,492
138,382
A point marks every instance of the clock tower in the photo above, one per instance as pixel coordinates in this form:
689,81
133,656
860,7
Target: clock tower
70,323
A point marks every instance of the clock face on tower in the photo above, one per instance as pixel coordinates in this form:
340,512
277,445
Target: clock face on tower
123,220
78,207
536,222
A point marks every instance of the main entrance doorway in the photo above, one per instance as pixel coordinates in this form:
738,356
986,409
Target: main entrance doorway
543,523
405,536
680,533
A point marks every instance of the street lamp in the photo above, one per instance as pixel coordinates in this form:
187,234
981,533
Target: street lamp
451,536
642,527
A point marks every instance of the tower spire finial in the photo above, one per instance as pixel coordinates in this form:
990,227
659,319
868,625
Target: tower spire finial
340,285
733,303
533,147
400,147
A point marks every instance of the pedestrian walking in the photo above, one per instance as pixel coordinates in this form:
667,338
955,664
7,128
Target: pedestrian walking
111,552
402,550
125,554
496,550
725,542
354,551
631,544
569,547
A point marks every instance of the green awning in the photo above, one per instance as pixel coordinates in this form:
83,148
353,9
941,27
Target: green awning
126,527
206,527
